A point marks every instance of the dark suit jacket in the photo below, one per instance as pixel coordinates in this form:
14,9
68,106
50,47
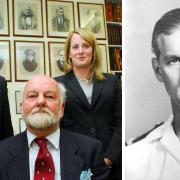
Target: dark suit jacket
77,153
6,129
102,118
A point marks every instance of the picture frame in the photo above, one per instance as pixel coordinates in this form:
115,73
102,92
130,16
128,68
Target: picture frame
4,18
92,16
27,18
59,21
29,59
5,59
104,62
18,98
22,125
56,58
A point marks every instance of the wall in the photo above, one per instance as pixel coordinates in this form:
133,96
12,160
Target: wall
17,86
146,101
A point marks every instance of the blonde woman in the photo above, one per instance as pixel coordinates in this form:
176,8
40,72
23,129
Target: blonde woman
93,105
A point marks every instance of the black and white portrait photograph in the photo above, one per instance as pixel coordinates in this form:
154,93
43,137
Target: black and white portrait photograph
91,16
5,59
4,17
56,59
152,89
59,19
29,59
28,18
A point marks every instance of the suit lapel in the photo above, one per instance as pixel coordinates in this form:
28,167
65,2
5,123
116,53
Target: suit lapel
72,82
71,163
18,168
97,87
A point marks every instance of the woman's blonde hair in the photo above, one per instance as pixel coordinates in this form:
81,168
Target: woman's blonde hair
96,61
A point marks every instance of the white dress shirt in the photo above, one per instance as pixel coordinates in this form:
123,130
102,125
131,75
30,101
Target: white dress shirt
53,147
156,157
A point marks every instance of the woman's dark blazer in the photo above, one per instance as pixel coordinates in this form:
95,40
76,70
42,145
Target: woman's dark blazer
102,118
6,129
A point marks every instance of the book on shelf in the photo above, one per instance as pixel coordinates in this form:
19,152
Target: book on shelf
113,11
115,59
114,35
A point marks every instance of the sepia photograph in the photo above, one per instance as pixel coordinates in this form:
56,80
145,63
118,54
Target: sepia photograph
59,20
28,19
5,59
29,59
56,58
92,16
4,18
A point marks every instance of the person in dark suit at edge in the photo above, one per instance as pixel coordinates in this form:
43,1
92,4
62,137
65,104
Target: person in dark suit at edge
73,156
6,128
94,101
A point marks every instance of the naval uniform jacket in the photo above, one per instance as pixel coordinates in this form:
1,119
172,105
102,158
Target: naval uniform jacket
156,157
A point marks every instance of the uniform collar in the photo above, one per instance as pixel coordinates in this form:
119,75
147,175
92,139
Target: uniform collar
167,138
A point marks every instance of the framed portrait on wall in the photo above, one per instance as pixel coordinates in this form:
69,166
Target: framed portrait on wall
22,125
92,16
4,17
5,59
29,59
104,62
18,101
27,18
56,58
60,18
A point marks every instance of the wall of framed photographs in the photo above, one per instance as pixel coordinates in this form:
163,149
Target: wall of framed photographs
30,30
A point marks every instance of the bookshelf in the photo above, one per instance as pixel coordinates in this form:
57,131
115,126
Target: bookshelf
114,30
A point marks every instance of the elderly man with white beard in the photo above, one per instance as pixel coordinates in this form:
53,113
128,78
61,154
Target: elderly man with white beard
45,151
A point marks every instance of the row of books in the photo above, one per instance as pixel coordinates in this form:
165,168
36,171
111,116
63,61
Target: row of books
114,34
113,11
115,57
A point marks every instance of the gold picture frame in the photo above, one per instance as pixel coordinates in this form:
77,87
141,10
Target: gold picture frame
104,62
29,59
27,18
60,18
4,18
5,60
56,58
18,97
92,16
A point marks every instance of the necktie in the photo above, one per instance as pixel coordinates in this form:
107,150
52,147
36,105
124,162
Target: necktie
44,166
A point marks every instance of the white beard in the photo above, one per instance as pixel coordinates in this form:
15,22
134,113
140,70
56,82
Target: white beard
41,118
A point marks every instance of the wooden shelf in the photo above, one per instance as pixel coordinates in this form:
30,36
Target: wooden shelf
114,23
114,46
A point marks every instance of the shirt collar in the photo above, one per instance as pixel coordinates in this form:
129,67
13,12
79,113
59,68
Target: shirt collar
53,138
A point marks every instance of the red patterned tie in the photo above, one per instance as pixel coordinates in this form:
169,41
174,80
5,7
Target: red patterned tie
44,166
